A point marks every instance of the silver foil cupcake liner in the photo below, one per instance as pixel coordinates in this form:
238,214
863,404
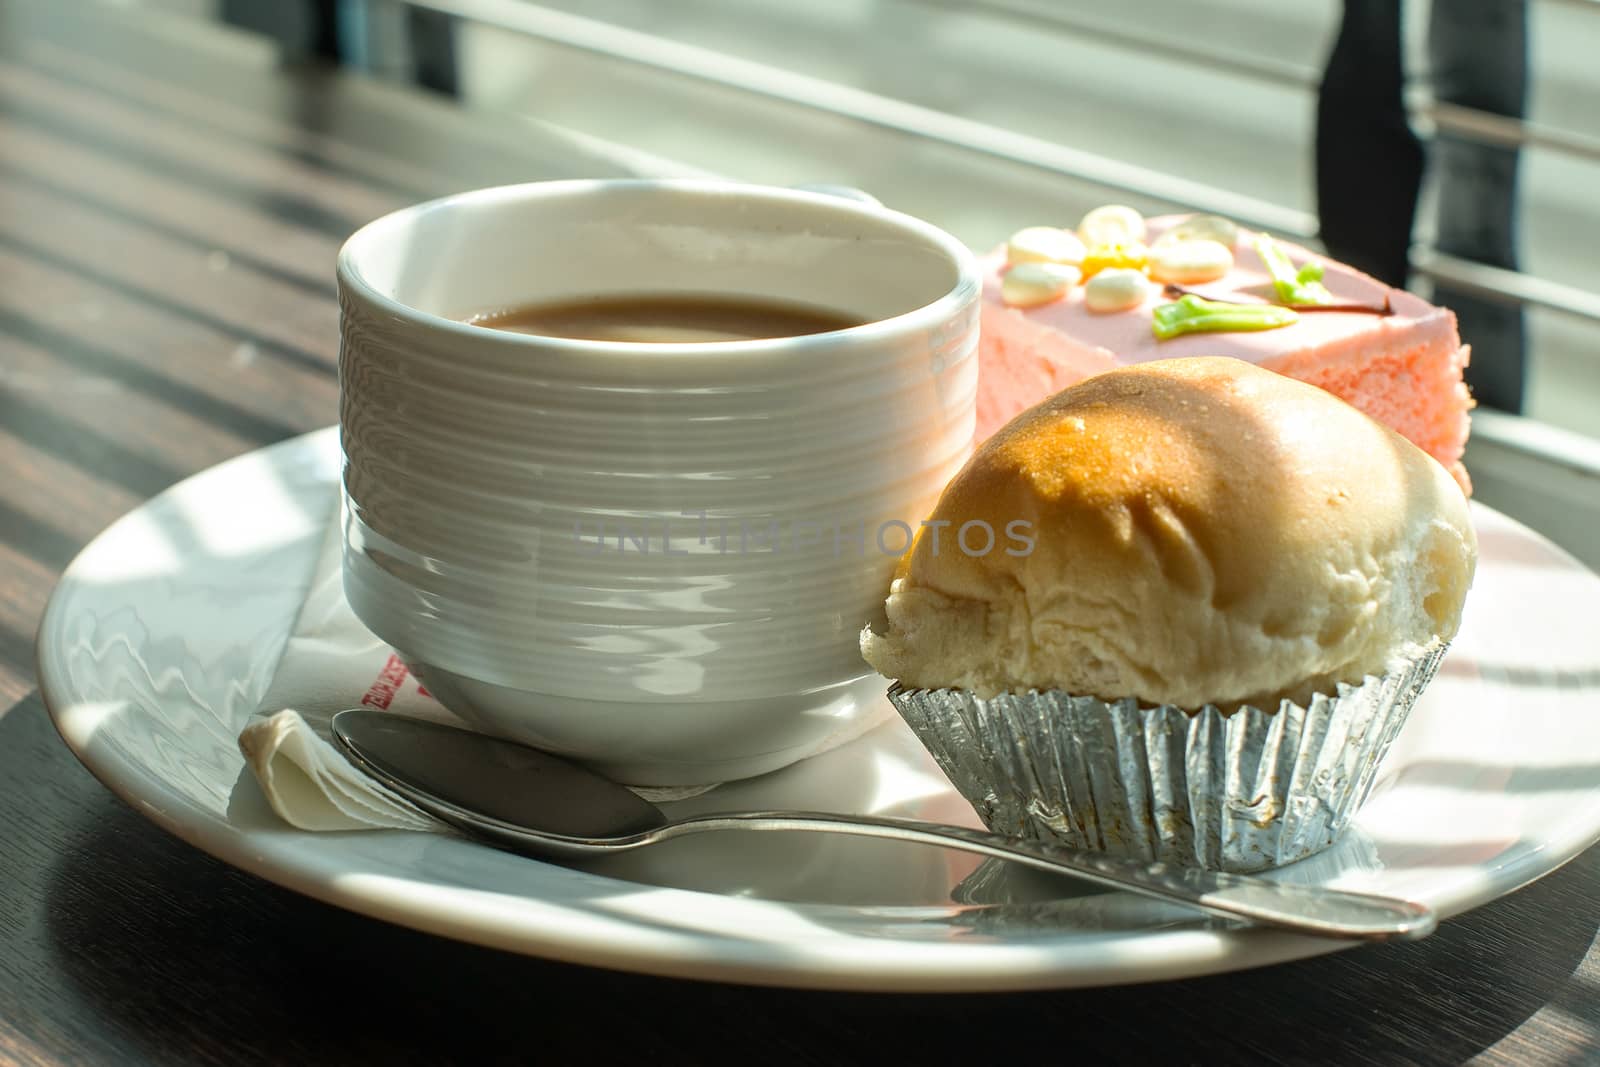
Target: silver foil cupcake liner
1237,791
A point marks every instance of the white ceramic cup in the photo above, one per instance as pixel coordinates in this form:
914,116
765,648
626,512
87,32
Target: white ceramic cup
653,557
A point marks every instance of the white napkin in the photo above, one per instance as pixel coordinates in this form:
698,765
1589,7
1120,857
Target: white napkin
332,662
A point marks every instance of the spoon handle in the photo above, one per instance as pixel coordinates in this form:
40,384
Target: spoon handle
1306,909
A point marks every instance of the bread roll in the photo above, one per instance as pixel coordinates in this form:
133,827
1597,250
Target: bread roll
1203,532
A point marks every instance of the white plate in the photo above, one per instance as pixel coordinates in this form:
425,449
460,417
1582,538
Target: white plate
163,633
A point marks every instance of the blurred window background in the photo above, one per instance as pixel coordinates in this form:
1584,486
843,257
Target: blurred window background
1474,118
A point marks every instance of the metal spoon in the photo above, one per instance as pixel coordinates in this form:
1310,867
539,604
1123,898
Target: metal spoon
531,802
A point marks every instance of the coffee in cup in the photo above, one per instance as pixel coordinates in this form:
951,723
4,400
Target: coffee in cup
667,318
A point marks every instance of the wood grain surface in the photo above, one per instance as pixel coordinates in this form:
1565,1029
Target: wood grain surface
170,205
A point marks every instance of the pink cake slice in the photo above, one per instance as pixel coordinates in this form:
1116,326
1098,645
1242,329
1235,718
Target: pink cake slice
1403,369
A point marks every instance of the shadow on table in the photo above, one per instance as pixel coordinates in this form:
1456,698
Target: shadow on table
185,959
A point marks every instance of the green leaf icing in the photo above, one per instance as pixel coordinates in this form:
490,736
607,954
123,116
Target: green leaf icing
1302,286
1192,314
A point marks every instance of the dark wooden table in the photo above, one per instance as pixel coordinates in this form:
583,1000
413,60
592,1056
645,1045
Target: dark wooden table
170,205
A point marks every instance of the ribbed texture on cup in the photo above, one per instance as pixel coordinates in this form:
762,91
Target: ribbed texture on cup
480,468
1234,792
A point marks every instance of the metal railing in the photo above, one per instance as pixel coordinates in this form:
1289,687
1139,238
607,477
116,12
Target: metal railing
1057,18
1469,123
719,68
